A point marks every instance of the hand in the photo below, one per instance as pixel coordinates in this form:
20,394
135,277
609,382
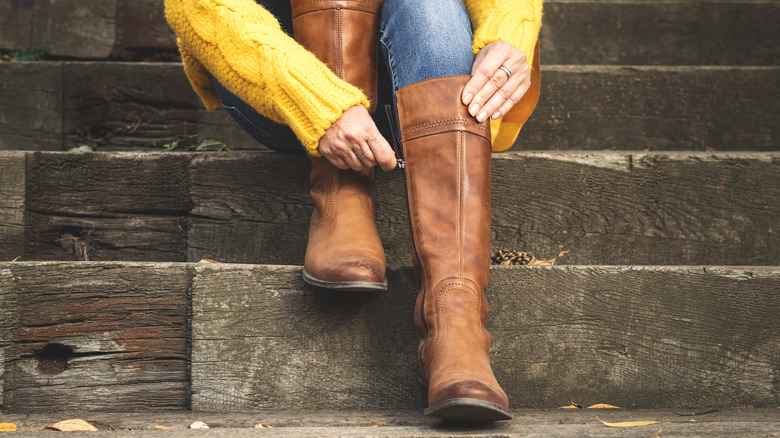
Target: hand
353,141
491,92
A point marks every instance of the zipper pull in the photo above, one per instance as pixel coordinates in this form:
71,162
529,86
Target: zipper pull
394,133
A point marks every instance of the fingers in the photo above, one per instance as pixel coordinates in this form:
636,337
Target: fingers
382,152
491,91
354,142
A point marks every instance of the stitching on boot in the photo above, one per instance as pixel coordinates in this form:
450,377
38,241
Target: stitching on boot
440,291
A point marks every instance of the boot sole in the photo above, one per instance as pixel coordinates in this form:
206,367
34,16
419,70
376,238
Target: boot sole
468,410
347,286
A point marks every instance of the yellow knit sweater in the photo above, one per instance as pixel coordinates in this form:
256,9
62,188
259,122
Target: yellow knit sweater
245,48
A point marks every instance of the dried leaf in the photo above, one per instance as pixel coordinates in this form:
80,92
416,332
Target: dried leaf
7,427
263,426
73,425
548,262
572,406
160,427
658,433
603,406
210,144
380,424
208,261
82,148
629,423
199,425
16,258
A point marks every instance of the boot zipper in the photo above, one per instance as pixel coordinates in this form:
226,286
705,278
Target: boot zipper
391,117
394,129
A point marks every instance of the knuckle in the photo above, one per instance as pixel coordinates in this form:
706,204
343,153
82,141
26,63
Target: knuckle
504,93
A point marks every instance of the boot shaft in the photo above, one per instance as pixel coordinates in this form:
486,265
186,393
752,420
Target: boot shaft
343,34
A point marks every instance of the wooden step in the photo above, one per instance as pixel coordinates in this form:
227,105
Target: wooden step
535,423
679,32
59,105
253,207
669,32
129,336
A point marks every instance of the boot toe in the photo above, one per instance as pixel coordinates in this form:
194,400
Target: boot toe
469,401
355,275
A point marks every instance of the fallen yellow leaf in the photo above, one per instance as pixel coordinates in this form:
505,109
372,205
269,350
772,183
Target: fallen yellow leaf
629,423
7,427
571,406
208,261
73,425
658,433
199,425
160,427
603,406
548,262
263,426
17,258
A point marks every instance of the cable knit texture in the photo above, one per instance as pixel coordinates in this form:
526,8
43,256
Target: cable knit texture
245,48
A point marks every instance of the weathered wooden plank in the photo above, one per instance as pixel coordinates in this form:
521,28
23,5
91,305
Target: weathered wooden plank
75,28
655,108
99,337
532,423
99,206
13,173
606,208
637,32
142,31
636,337
641,208
30,106
303,348
139,105
8,318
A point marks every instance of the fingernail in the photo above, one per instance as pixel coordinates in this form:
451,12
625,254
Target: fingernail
496,115
473,110
482,116
467,98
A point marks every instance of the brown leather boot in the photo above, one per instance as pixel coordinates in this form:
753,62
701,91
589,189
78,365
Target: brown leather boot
344,251
447,159
344,34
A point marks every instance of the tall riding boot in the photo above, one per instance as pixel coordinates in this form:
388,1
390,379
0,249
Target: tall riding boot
447,157
344,251
344,34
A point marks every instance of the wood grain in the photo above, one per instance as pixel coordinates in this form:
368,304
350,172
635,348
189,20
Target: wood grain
660,33
145,105
125,325
31,102
13,178
8,322
264,340
108,206
630,336
606,208
655,108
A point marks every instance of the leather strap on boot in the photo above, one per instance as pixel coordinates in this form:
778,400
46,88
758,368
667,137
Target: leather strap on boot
447,154
344,34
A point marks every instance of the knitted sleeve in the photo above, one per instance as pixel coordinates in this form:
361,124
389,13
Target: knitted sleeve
515,21
244,47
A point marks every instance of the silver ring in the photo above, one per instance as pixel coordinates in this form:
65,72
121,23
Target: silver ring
366,154
507,71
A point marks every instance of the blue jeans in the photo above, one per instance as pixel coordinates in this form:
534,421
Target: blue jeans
419,40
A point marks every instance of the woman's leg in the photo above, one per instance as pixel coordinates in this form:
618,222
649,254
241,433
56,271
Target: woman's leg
421,40
427,47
